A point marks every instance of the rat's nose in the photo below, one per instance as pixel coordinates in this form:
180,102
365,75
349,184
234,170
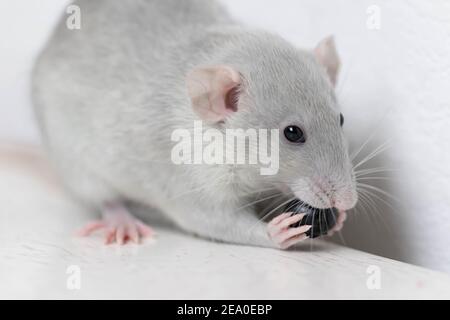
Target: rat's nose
346,201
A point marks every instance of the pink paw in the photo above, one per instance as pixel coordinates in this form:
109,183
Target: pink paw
342,216
119,227
284,236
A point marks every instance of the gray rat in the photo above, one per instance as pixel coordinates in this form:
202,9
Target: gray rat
109,96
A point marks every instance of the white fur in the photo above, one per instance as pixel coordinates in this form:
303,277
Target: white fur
109,95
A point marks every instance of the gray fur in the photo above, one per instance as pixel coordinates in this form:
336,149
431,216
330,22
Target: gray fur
108,97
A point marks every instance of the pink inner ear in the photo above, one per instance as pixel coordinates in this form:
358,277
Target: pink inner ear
226,84
214,92
232,99
327,56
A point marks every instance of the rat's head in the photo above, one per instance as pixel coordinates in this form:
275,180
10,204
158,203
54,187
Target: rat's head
265,83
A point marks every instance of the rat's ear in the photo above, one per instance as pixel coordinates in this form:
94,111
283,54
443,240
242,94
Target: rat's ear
214,91
325,52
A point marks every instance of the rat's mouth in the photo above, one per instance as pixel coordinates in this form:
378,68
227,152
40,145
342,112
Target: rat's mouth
320,220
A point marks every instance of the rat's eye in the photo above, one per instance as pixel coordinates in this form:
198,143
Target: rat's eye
294,134
341,119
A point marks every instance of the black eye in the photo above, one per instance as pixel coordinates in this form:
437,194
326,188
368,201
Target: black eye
342,119
294,134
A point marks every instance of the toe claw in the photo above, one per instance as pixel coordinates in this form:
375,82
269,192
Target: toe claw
278,218
144,229
342,216
280,232
120,235
285,223
293,232
133,233
110,235
294,240
120,226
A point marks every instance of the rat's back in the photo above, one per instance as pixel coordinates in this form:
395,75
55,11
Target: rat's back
154,23
119,44
91,85
150,17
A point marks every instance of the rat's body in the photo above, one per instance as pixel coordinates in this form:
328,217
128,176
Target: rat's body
108,97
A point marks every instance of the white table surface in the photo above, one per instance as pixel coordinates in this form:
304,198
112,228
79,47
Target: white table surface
37,246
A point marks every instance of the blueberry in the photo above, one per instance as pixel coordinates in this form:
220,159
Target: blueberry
321,220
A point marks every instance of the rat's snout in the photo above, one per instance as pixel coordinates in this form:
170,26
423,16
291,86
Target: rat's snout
345,200
340,194
346,194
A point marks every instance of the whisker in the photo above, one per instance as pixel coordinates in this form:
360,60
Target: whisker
368,186
379,198
374,178
372,205
271,211
363,205
381,148
374,131
373,170
260,200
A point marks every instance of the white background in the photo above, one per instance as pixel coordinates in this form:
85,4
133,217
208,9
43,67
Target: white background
395,84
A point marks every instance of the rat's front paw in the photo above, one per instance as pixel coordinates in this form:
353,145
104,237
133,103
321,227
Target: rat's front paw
284,236
342,216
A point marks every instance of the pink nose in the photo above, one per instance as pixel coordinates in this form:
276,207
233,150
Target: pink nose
343,204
